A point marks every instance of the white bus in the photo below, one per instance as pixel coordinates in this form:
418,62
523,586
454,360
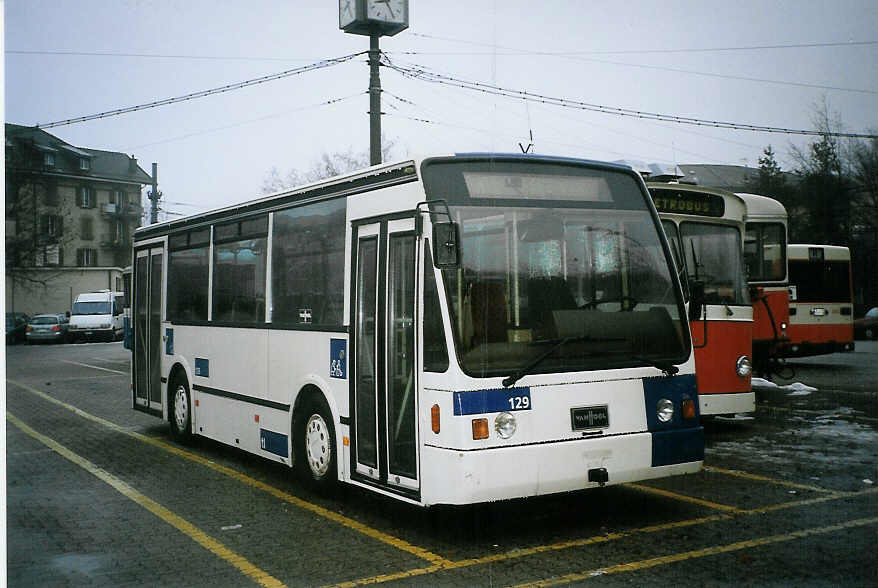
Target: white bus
451,330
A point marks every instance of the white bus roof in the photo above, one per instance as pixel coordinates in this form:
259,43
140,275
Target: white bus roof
385,174
763,208
799,251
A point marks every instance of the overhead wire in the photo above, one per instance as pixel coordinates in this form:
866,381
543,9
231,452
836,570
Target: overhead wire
218,90
246,122
579,57
424,74
639,51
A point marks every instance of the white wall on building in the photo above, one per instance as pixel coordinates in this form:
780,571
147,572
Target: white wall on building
53,290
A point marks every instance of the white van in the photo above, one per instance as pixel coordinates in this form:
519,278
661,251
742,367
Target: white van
97,315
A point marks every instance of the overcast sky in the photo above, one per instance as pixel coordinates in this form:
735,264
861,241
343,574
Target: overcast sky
702,59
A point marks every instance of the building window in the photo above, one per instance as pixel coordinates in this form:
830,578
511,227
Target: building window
84,164
51,225
86,230
50,255
87,257
117,197
85,197
49,159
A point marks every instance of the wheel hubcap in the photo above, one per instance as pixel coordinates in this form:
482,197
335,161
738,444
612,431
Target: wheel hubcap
181,407
317,445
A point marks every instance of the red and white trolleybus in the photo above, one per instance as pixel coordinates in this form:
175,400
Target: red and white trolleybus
705,227
821,300
765,264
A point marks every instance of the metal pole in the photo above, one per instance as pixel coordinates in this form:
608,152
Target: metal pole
154,195
374,102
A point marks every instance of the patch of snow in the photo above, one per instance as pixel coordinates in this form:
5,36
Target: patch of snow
759,382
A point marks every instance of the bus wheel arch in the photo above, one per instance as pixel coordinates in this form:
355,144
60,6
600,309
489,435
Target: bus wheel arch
180,404
315,451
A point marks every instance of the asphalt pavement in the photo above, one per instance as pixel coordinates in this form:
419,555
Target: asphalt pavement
98,494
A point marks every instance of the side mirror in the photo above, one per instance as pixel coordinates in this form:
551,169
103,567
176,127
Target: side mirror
696,299
446,245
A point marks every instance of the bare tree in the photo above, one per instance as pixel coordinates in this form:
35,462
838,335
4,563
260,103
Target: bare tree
329,164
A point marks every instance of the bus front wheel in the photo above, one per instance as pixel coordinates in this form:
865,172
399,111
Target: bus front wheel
180,410
315,455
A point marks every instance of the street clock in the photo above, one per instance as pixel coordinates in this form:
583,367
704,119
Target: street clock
373,17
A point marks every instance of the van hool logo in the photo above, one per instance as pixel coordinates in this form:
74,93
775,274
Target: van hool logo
700,204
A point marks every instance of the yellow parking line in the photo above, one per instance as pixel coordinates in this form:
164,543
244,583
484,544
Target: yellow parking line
684,498
400,544
248,569
758,478
699,553
499,557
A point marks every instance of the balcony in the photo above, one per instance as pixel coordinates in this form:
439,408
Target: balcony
112,241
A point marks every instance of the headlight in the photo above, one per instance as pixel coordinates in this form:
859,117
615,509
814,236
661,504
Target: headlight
743,367
664,410
505,425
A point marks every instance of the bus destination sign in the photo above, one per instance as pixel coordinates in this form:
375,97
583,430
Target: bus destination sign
688,203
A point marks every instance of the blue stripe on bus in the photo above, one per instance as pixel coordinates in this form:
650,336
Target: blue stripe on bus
679,440
273,442
496,400
674,388
681,446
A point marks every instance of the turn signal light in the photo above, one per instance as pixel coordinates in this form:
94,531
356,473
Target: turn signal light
434,418
480,429
688,408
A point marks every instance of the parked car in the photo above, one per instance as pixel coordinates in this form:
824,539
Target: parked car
48,327
16,323
867,326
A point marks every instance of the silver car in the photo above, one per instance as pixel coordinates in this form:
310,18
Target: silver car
47,327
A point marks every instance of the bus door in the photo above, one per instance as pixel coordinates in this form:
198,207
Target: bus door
384,390
147,329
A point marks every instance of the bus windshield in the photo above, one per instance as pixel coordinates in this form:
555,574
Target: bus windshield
713,255
577,280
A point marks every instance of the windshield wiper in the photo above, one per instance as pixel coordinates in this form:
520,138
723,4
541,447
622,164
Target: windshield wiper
556,343
666,367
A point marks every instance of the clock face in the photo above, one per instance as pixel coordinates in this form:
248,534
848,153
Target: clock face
347,12
393,11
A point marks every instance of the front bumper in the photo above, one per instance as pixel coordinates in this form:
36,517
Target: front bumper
52,336
466,477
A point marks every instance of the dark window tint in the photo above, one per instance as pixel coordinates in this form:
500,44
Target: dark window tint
765,252
435,350
821,281
187,284
239,281
308,265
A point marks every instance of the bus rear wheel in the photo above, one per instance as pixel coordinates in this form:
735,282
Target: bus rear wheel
315,455
180,409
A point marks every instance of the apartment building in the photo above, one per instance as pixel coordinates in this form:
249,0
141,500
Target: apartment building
70,215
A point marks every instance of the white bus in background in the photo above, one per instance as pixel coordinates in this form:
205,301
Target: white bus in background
450,330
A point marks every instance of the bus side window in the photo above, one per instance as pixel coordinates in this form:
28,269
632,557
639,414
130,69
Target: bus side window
435,351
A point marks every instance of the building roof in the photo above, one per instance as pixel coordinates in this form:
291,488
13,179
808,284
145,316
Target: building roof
734,178
105,165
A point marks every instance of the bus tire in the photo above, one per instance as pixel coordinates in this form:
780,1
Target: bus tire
180,409
315,453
